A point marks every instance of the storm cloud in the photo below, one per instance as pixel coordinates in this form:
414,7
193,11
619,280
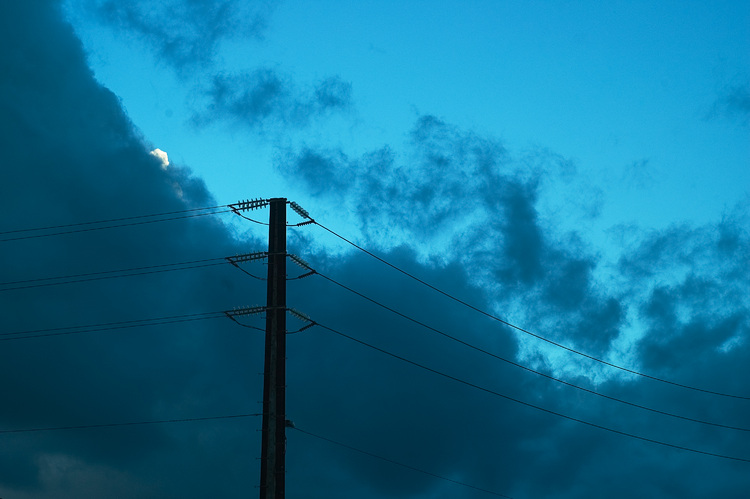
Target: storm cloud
454,208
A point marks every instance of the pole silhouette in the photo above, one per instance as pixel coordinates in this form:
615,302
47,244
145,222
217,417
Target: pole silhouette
273,444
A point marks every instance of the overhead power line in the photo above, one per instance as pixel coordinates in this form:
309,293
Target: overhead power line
49,227
526,331
238,416
129,423
526,368
112,223
397,463
110,274
528,404
108,326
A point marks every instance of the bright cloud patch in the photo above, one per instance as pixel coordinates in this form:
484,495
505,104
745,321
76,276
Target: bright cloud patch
158,153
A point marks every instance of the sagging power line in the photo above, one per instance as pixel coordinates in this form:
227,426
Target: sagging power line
528,404
521,366
41,282
311,271
108,326
108,224
40,429
527,331
273,309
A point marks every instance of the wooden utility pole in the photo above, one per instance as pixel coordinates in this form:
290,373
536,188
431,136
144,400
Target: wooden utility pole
273,444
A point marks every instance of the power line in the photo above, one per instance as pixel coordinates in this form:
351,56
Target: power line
528,404
129,423
49,227
245,325
464,484
249,219
525,331
526,368
251,274
96,276
108,326
237,416
89,229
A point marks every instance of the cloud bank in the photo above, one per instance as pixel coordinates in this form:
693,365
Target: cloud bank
455,209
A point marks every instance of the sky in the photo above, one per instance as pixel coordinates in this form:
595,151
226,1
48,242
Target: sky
578,170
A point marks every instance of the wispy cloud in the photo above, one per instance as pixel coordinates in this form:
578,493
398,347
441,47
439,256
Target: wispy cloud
734,103
263,99
189,37
187,34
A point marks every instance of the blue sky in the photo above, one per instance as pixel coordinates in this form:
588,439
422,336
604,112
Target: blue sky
579,169
633,95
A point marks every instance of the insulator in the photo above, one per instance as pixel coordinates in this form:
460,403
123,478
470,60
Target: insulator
247,311
306,326
300,211
299,261
249,204
248,257
299,315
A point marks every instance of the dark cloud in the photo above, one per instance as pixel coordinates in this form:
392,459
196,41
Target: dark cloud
698,306
186,34
321,171
263,99
458,193
457,211
460,197
70,154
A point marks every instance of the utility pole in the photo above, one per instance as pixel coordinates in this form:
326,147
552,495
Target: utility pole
273,444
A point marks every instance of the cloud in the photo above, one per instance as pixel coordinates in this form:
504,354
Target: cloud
189,35
456,209
459,198
161,156
263,99
696,305
72,155
734,103
186,34
457,193
639,174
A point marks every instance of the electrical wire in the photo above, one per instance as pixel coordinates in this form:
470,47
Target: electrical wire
300,224
340,444
129,423
244,325
526,368
97,276
250,219
528,404
525,331
250,274
108,326
114,219
303,328
89,229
